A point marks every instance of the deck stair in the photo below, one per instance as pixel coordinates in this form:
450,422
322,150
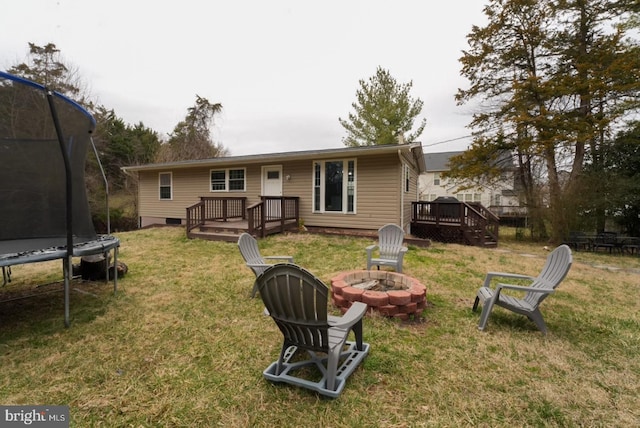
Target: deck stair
228,231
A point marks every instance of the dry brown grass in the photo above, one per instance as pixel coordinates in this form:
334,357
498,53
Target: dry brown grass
182,344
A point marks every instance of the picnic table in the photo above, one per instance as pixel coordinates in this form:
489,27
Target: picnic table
607,241
631,245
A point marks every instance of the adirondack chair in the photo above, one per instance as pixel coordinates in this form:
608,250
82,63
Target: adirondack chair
297,301
554,271
255,261
391,250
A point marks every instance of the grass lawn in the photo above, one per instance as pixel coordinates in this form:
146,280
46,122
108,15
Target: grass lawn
182,344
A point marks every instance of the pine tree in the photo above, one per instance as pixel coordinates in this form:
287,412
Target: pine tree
384,113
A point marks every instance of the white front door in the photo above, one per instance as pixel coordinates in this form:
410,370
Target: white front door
272,186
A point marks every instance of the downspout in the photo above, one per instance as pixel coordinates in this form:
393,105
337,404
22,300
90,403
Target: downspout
401,189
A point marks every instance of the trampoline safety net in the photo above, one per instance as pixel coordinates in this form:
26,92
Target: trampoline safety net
33,196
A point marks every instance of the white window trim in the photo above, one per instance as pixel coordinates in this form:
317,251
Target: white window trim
406,178
226,180
345,184
160,186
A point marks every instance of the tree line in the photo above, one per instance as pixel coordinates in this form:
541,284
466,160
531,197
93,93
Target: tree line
556,84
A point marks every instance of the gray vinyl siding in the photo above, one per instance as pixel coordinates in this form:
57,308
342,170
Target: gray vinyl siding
412,194
377,195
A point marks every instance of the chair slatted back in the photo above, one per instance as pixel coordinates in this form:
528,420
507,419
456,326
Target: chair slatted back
390,240
250,252
553,272
297,302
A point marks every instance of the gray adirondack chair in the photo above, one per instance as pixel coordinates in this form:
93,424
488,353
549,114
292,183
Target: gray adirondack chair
297,301
255,261
390,248
554,271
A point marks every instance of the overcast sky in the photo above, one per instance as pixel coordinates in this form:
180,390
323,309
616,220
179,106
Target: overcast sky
283,70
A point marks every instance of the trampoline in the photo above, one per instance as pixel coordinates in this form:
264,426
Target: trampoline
45,138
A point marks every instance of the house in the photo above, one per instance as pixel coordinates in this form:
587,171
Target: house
501,198
358,188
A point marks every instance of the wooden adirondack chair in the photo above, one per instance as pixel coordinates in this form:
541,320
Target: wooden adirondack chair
255,261
390,246
297,301
554,271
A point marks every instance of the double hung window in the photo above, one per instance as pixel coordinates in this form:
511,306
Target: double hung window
165,183
226,180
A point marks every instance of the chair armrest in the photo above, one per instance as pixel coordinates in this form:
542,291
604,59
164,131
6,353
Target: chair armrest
289,259
370,249
491,275
263,265
352,316
525,288
401,254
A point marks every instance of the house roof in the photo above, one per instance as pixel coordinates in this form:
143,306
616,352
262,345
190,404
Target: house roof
415,149
436,162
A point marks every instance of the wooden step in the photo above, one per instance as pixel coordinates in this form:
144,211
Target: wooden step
215,236
221,229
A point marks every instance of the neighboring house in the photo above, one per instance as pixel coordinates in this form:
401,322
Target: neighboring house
353,188
501,198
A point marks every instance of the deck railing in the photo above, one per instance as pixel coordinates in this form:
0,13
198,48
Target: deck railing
215,209
273,214
481,222
508,211
475,223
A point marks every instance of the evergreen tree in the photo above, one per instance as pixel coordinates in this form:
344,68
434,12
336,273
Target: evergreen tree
384,113
191,137
46,66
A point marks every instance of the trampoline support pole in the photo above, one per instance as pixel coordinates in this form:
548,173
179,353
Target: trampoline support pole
67,269
69,200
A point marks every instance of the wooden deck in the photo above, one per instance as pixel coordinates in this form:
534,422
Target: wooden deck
225,218
455,222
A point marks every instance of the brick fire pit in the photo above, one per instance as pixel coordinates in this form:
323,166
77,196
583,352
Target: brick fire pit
390,293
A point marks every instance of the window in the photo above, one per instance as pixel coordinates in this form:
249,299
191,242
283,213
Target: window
331,191
469,197
218,180
226,180
236,179
436,179
407,178
165,185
